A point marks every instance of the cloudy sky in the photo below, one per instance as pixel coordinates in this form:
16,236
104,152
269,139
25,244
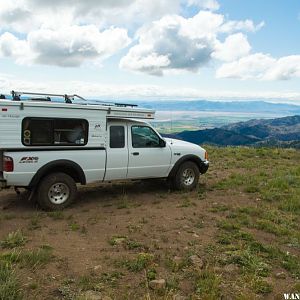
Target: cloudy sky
152,49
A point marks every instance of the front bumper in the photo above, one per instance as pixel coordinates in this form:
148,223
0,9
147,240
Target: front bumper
204,166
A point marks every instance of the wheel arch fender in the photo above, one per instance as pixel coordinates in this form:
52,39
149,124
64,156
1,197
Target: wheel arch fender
68,167
190,157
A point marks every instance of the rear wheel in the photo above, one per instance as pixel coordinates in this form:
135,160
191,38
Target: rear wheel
187,176
56,191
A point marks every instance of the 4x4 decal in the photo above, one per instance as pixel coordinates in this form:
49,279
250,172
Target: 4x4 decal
29,160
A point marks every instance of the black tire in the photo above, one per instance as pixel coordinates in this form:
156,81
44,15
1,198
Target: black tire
56,191
187,176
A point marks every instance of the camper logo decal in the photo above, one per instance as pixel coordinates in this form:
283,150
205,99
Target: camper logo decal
28,160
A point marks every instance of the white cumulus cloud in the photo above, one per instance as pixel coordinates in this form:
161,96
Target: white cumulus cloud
285,68
66,47
206,4
25,15
175,43
261,66
246,25
11,46
16,15
167,45
235,46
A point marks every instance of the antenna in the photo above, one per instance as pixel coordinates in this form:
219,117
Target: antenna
171,124
171,120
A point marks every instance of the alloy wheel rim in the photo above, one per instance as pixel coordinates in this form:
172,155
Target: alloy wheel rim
188,177
58,193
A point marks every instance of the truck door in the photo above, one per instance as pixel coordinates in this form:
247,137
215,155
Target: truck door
148,158
117,151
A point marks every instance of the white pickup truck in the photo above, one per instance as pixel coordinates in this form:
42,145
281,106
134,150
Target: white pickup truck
48,147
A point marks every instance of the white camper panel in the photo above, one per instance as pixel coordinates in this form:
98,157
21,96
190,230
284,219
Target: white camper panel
10,127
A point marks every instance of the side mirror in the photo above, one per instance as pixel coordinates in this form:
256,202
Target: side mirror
162,143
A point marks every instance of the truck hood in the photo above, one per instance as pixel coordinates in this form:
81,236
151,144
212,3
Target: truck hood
179,144
185,148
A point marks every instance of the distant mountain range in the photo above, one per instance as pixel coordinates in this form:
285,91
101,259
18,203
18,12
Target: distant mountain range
221,106
282,132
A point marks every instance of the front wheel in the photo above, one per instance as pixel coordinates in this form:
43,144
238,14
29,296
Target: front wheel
187,176
56,191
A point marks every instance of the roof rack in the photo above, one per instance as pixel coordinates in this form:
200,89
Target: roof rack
16,96
68,98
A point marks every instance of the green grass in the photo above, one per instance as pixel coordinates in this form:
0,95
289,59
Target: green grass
34,258
117,240
260,286
219,208
186,203
75,288
172,283
128,244
13,240
34,223
111,278
274,177
7,216
268,219
178,265
56,215
133,245
249,261
9,286
139,263
28,258
123,205
271,179
254,259
228,225
74,226
208,285
123,202
87,282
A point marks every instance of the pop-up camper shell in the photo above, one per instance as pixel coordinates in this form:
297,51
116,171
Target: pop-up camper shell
14,111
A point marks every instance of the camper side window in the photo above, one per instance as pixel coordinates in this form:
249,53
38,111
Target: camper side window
54,132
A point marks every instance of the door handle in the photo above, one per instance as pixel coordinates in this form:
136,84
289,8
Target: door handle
135,153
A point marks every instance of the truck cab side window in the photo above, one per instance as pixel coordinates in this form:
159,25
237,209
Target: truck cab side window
144,137
117,137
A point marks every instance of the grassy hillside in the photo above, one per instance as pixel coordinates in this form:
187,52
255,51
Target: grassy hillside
281,132
237,236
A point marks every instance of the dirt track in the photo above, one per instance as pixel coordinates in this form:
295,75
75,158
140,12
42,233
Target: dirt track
146,212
